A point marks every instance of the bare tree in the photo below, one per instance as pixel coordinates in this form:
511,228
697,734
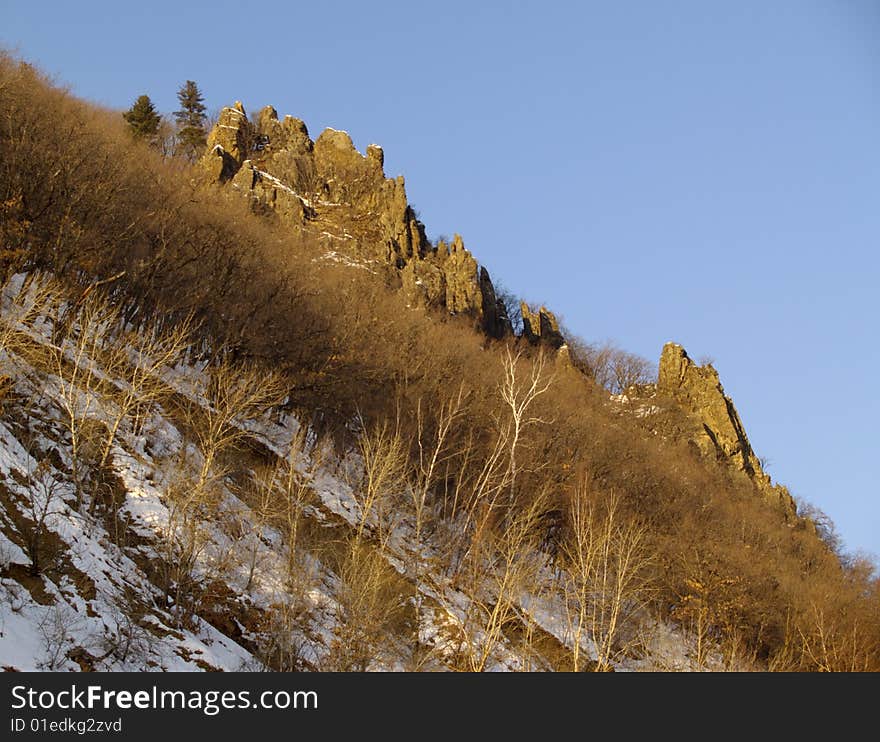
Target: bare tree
186,536
429,468
604,579
502,566
80,344
486,481
609,366
512,306
281,639
383,454
135,365
372,603
235,396
432,453
280,494
519,395
56,627
709,600
44,502
824,526
24,304
830,643
125,639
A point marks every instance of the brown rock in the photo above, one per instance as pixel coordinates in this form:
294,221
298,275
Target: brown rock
496,323
376,156
269,195
462,290
336,157
218,165
232,132
278,166
541,326
423,283
267,122
246,178
697,389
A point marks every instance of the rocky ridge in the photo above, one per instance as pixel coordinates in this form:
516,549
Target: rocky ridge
330,188
718,431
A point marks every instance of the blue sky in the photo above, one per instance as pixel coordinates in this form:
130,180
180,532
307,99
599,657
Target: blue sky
701,172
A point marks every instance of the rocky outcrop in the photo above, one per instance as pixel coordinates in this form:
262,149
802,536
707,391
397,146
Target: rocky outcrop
345,176
269,194
541,326
460,269
228,143
719,432
496,322
344,195
450,276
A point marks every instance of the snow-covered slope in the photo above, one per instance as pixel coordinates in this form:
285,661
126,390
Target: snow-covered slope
212,536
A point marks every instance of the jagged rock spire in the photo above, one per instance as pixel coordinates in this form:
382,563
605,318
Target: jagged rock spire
697,389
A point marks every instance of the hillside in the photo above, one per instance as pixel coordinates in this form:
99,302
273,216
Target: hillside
253,418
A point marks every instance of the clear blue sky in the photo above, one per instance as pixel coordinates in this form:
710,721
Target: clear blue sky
701,172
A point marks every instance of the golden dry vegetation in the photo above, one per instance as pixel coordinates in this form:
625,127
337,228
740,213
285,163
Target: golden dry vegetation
498,448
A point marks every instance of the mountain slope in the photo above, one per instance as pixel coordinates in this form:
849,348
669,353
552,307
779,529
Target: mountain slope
454,493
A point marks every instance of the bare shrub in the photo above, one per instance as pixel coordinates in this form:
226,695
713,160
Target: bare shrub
372,607
604,581
383,455
43,504
81,341
235,396
609,366
56,628
502,565
135,363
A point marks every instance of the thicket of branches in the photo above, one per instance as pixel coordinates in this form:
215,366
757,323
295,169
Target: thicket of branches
517,458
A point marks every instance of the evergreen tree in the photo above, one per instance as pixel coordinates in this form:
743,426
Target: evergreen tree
191,120
143,118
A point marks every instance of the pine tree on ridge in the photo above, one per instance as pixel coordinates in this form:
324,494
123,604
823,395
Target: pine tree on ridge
191,120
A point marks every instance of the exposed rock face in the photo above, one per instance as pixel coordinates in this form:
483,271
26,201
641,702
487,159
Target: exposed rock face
541,326
346,177
495,319
720,433
329,186
460,267
423,283
269,194
449,276
229,141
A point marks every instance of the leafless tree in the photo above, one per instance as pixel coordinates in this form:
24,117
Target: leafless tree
604,582
135,364
25,304
372,604
44,503
831,644
55,628
282,491
519,395
502,566
610,367
383,453
235,396
80,344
